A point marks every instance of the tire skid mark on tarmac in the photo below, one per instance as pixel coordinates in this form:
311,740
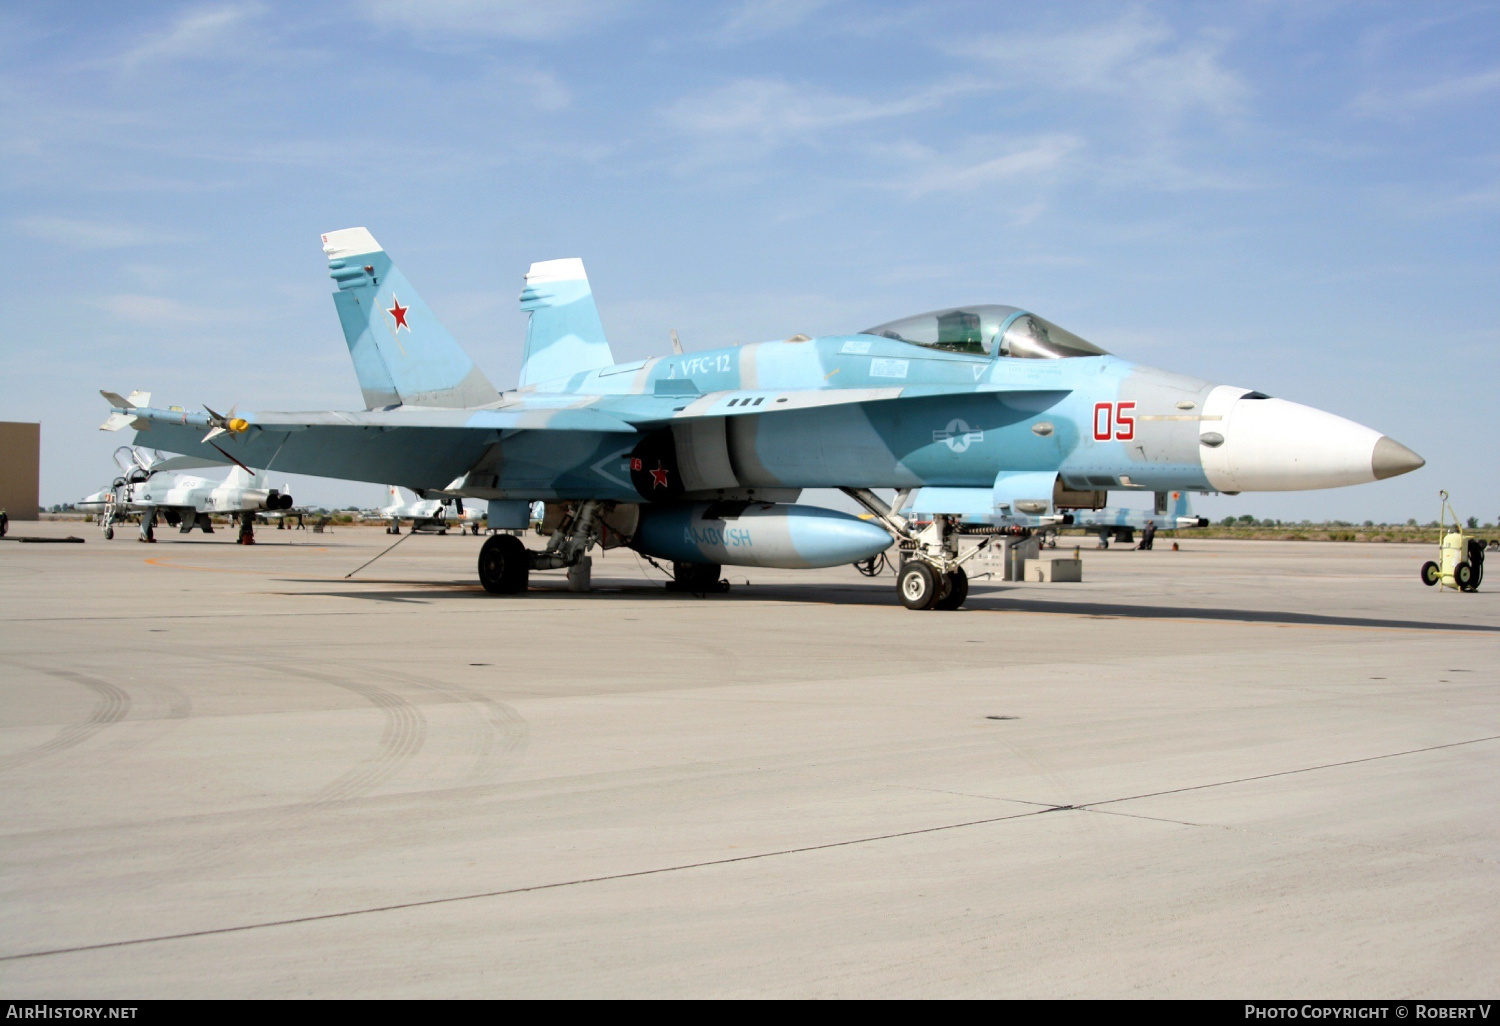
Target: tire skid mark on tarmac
111,707
501,733
401,737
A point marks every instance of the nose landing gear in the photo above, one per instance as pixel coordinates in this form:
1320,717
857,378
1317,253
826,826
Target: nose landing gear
923,586
931,575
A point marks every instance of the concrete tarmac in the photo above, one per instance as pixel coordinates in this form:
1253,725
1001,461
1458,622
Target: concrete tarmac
1243,769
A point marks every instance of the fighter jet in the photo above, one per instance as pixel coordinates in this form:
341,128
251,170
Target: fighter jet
1119,524
1172,511
149,486
438,515
699,458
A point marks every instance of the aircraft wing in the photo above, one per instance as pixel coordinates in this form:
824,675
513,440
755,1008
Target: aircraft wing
420,447
429,448
648,409
521,417
172,464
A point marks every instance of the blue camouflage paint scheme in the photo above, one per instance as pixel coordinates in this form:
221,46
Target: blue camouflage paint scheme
762,534
563,332
975,506
413,361
850,410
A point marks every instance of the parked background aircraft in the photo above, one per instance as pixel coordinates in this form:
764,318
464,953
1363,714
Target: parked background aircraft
150,485
699,458
1172,511
439,515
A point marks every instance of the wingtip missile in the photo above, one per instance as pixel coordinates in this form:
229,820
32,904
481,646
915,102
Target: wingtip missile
225,423
118,418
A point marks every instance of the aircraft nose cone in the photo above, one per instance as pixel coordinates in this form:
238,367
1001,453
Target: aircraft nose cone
1253,443
1392,458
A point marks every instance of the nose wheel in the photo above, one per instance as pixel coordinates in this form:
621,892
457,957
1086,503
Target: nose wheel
923,586
958,590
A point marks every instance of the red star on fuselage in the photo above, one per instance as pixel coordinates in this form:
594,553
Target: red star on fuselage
659,477
398,312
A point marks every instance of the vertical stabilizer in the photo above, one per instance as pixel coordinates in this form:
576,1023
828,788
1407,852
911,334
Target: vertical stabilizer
239,477
401,354
1182,512
564,335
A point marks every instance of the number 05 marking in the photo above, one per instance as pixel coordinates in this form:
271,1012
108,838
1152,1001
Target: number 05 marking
1114,420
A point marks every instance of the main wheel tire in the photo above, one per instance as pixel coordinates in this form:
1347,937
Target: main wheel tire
109,534
504,565
919,585
958,591
697,578
1463,576
1430,573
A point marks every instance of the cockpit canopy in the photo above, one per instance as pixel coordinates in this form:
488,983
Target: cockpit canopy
976,330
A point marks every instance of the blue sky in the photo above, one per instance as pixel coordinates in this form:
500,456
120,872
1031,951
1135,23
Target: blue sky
1298,197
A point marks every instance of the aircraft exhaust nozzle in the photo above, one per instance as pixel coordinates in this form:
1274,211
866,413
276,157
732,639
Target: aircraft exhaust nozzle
1253,443
767,534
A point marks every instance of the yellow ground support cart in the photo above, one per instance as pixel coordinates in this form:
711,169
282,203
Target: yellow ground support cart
1460,562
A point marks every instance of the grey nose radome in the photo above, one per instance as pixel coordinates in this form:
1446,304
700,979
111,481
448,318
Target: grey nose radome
1392,458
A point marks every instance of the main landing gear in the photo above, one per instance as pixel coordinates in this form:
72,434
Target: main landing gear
931,575
697,578
505,564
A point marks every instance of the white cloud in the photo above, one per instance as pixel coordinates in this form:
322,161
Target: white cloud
197,33
1381,102
153,310
756,19
541,90
1036,159
754,116
495,19
78,233
1136,61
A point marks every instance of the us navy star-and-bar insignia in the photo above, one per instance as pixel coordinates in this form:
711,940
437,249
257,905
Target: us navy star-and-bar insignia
957,435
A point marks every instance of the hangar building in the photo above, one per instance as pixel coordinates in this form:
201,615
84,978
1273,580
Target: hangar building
20,469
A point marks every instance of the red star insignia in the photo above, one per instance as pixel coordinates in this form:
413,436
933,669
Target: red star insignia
659,476
398,312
